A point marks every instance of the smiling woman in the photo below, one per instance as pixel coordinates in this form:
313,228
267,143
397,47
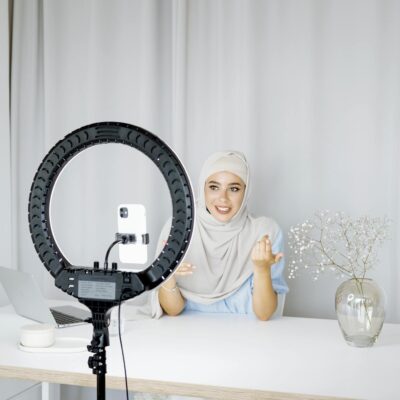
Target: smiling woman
235,263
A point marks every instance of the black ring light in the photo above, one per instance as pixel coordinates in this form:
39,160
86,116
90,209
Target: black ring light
82,282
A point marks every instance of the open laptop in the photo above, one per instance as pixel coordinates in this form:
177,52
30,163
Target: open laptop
28,301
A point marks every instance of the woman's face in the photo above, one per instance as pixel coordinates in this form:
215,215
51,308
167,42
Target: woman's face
224,194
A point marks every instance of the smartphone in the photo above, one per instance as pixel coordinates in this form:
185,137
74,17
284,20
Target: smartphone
132,219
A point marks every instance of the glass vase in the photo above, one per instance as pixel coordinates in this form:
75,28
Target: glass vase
360,310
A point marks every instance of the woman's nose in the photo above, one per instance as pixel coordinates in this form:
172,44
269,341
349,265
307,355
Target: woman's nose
223,195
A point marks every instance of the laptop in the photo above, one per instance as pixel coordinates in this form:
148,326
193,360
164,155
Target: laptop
28,301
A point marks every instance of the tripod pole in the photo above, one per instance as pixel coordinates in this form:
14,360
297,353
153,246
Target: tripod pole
100,339
97,363
101,387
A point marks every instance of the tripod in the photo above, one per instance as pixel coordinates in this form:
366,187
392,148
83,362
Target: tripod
100,317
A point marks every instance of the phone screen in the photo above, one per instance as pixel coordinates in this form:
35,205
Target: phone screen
132,219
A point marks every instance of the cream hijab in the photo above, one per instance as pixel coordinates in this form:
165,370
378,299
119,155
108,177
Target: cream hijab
221,251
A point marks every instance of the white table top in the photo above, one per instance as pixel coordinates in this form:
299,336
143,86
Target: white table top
222,357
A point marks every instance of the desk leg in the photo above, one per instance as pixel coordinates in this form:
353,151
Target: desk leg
50,391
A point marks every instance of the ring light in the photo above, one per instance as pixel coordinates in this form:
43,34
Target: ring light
97,288
178,183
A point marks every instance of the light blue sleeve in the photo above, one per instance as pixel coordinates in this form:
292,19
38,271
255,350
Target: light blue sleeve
278,280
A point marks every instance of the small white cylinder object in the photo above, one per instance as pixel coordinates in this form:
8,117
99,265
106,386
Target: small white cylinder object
37,335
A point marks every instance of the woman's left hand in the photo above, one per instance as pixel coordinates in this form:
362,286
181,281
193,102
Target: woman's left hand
262,256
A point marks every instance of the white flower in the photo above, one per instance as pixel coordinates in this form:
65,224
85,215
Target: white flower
336,242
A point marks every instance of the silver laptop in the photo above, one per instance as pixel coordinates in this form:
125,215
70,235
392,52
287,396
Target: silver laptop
28,301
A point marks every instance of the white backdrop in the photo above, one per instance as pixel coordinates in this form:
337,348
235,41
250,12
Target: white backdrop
309,90
5,155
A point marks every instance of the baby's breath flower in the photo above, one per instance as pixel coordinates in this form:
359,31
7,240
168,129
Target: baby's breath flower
335,242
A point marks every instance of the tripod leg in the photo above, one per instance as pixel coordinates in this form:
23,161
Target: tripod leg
101,387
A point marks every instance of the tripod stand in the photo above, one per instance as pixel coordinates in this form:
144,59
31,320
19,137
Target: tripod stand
100,317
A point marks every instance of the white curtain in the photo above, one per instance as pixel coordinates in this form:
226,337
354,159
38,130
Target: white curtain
5,156
309,90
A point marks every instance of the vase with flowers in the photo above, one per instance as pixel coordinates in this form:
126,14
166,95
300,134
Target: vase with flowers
349,248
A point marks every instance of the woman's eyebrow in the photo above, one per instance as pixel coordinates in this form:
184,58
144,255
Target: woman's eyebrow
219,183
213,182
234,184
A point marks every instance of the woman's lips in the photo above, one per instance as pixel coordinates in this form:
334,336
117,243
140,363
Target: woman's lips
223,210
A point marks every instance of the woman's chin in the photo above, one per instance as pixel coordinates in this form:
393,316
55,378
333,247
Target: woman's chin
222,217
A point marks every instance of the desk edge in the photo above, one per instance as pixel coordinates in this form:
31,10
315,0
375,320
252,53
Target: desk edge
152,386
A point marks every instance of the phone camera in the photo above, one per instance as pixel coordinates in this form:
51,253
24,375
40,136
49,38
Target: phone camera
123,212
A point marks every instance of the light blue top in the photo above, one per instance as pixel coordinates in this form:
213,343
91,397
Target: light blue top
240,302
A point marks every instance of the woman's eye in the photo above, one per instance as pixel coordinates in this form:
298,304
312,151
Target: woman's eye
235,189
213,187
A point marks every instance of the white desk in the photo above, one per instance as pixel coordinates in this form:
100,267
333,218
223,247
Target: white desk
222,357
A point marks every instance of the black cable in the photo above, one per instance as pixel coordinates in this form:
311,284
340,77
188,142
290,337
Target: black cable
124,240
108,252
122,350
121,240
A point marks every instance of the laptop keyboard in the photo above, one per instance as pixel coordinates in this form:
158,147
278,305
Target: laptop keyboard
64,319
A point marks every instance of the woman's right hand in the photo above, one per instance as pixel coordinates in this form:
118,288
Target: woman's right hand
185,269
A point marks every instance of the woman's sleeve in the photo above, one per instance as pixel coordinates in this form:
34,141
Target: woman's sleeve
277,270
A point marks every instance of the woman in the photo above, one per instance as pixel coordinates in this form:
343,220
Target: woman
234,263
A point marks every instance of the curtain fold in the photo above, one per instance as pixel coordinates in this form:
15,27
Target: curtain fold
309,90
5,160
6,233
28,143
179,138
